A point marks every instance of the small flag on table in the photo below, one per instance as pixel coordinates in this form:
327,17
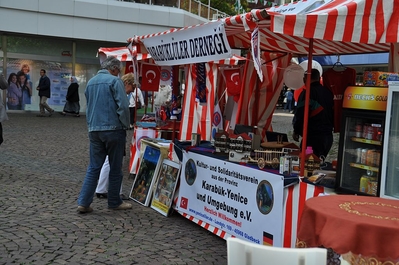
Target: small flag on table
267,239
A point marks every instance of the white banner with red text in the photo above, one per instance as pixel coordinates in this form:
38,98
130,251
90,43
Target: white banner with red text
241,201
204,43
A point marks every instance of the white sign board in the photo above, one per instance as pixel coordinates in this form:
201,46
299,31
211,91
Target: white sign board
239,200
203,43
298,7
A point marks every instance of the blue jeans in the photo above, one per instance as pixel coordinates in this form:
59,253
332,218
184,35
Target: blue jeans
103,143
288,104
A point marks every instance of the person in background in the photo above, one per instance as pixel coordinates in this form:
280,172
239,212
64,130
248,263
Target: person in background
128,80
72,98
289,96
27,94
102,185
321,117
14,93
3,112
107,115
23,84
44,93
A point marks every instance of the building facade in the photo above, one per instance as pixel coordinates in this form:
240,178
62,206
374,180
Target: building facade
63,37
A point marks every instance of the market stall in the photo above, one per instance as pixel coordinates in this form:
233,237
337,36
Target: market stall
273,36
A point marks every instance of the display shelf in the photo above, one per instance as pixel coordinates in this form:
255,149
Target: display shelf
361,166
365,141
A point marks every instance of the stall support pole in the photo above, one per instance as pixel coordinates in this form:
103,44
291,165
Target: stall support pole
306,111
255,111
175,81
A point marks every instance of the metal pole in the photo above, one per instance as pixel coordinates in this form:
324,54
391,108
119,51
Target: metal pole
306,111
209,8
73,57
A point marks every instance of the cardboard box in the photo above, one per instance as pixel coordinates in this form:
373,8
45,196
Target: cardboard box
376,78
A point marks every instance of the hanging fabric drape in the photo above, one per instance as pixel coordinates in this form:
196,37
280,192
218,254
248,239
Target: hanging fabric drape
259,99
197,115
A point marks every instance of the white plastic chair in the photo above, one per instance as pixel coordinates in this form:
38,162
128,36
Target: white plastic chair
241,252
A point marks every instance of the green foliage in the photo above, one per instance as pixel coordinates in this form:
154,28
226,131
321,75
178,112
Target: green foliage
227,6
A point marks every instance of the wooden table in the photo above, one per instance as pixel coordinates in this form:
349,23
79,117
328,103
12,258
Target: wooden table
363,229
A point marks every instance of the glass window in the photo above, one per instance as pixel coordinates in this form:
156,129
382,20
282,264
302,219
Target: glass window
88,49
38,46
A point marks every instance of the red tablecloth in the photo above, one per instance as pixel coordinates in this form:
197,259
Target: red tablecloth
362,225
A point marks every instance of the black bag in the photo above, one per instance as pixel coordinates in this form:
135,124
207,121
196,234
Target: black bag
138,105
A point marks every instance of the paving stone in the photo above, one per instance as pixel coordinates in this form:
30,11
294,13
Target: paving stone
43,164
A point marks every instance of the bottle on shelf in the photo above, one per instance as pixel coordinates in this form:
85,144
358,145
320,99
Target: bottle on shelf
368,183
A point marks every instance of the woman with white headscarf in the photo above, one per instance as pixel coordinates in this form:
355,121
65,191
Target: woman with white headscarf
72,98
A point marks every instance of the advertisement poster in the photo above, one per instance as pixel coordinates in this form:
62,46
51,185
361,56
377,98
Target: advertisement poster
242,201
165,187
59,74
367,98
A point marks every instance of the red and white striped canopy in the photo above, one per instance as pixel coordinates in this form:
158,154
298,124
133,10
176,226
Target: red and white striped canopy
234,60
122,54
338,27
357,21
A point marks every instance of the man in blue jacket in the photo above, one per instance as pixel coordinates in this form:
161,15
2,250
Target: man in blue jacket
107,115
44,93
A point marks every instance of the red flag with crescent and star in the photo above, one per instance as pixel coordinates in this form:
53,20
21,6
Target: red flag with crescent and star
233,82
151,76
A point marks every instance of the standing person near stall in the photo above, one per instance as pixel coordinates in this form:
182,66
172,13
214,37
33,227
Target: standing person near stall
102,185
107,115
289,97
134,104
321,117
72,98
44,94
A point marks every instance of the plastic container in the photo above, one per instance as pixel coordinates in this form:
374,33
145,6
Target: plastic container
309,150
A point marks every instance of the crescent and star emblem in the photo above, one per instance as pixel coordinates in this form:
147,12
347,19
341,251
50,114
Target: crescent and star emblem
235,82
150,72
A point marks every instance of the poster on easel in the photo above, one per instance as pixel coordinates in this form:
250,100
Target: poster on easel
144,181
165,187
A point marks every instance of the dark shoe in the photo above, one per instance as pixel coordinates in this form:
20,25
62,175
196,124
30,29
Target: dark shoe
123,197
102,195
40,115
77,115
123,206
63,113
51,113
82,209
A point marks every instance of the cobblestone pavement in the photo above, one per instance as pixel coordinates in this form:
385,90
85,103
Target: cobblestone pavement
42,166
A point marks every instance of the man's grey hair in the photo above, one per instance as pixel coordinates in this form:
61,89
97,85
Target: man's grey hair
111,63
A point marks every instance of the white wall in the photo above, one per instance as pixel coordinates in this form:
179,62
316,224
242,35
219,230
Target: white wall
103,20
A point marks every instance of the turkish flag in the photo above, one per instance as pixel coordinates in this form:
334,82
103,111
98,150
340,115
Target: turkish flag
233,82
129,67
183,203
151,76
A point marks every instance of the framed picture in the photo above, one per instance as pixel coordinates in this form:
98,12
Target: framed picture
144,181
165,187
